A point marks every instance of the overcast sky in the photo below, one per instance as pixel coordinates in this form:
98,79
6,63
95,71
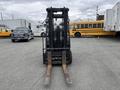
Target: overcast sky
36,9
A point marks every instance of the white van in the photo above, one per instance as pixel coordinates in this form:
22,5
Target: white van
39,31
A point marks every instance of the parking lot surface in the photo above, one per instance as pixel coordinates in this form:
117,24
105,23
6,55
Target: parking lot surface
96,65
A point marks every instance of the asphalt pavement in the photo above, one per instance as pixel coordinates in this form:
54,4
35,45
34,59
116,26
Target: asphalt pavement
96,65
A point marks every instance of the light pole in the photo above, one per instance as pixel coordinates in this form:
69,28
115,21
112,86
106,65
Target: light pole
1,16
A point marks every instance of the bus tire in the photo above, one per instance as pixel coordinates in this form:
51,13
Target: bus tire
117,34
10,35
77,34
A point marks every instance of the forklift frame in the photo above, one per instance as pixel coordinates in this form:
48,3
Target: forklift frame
62,42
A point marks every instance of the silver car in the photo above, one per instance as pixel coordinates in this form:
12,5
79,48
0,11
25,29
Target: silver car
22,33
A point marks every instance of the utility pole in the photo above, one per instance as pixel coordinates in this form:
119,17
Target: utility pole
97,9
1,16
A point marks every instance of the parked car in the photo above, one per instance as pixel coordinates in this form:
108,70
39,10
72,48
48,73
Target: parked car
22,33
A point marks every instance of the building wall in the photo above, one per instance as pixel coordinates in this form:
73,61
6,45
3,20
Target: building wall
12,24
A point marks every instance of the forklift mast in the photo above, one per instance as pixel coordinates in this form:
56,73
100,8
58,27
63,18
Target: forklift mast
57,36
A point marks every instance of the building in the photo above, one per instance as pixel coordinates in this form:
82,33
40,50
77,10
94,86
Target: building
37,28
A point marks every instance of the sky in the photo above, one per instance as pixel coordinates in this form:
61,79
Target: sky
36,9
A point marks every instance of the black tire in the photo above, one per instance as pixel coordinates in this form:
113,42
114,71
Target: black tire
27,40
77,34
13,40
43,34
118,34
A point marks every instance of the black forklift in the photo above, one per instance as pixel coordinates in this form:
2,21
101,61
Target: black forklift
56,42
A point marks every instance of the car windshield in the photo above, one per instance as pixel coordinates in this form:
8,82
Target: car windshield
21,30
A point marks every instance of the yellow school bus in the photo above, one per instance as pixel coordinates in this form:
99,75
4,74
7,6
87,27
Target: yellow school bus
88,28
4,31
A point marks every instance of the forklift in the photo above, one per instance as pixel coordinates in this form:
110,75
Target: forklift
56,42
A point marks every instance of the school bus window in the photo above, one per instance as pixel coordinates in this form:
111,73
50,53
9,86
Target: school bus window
82,25
94,26
3,30
86,25
6,30
102,25
99,25
71,27
90,25
75,26
78,26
